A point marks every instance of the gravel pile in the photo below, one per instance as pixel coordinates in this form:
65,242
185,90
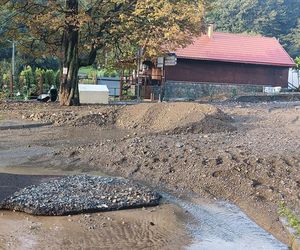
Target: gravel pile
72,118
174,118
58,118
171,118
79,194
98,119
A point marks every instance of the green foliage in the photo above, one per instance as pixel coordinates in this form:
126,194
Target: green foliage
90,71
109,73
5,69
45,63
50,78
6,78
87,81
27,81
57,79
5,50
118,27
77,31
39,73
294,38
274,18
4,94
40,80
297,61
293,220
33,83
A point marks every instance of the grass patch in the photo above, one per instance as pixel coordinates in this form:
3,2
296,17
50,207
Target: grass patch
293,220
89,71
86,70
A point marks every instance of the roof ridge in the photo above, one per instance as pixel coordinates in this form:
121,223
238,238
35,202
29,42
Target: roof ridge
245,35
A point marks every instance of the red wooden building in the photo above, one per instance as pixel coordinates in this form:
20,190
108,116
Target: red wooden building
233,59
216,63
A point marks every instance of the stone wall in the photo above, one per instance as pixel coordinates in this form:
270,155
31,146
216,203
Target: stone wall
193,91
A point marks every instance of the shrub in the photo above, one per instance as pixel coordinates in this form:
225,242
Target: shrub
5,71
293,220
57,79
50,77
40,80
27,81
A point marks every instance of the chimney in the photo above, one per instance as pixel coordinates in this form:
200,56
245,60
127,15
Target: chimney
210,30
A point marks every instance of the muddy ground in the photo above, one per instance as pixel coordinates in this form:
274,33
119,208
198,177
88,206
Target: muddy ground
245,153
152,228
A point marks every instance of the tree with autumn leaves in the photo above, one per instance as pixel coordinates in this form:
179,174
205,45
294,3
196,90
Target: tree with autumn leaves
77,31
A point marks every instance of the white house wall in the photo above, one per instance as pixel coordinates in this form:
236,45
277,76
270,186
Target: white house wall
294,77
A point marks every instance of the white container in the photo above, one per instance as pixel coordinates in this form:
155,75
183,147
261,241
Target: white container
272,90
93,94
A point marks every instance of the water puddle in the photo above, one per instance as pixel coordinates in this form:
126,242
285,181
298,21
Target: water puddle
19,155
213,226
223,226
35,171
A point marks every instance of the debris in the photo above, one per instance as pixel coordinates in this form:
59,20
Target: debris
80,194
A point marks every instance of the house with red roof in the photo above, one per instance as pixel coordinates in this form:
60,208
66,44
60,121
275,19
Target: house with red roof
239,60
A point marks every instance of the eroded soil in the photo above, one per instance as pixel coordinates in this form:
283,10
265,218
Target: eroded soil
255,166
153,228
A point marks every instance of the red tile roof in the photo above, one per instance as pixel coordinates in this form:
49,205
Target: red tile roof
239,48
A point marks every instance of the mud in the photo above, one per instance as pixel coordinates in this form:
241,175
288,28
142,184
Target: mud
151,117
155,228
255,167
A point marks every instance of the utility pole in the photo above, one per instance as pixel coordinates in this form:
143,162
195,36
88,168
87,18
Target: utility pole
139,79
12,70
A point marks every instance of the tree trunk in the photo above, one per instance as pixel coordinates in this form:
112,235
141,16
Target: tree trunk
40,81
69,93
298,72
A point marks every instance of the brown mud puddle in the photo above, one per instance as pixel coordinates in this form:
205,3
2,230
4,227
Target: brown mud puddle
162,227
152,228
178,224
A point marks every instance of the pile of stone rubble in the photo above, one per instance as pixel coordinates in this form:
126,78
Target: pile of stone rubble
80,194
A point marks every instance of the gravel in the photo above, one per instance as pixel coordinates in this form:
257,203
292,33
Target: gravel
80,194
174,118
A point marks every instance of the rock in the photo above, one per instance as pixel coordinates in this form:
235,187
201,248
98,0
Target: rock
179,145
80,194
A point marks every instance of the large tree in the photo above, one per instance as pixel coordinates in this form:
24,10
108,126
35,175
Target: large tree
294,38
77,30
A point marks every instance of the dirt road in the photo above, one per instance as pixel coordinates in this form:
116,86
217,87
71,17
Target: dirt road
251,159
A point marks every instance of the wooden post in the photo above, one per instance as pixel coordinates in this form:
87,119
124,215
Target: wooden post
121,85
12,77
